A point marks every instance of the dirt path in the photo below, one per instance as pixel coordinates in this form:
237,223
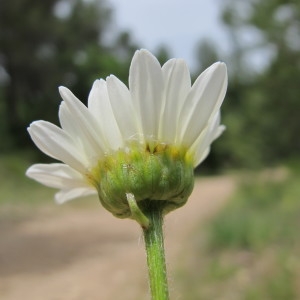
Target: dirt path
86,254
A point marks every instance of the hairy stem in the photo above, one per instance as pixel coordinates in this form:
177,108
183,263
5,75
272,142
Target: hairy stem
154,243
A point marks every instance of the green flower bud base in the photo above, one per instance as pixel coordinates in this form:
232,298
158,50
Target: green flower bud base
152,172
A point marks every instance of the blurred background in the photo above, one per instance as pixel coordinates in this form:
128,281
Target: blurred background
247,249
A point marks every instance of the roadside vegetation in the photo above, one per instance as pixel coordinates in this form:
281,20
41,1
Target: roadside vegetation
250,250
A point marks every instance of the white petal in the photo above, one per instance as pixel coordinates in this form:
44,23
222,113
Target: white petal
69,194
204,99
209,134
146,87
202,157
218,132
56,175
56,143
66,120
177,83
85,120
100,107
122,107
70,124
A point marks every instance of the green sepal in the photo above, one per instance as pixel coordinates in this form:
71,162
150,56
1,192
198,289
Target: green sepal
163,173
136,213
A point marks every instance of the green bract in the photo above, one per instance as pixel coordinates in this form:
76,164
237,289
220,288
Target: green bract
163,173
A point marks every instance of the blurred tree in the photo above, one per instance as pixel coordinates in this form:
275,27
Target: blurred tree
206,54
44,44
163,54
262,112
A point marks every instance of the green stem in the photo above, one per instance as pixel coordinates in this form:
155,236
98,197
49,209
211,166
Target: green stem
154,243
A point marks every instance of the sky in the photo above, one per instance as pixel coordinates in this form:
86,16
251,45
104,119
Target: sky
179,25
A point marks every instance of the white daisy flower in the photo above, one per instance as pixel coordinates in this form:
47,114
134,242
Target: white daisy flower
143,141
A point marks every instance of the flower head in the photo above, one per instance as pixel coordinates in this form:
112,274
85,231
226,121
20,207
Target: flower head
143,141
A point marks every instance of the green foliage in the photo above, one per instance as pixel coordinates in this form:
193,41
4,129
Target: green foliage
261,214
44,44
262,103
262,108
251,248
